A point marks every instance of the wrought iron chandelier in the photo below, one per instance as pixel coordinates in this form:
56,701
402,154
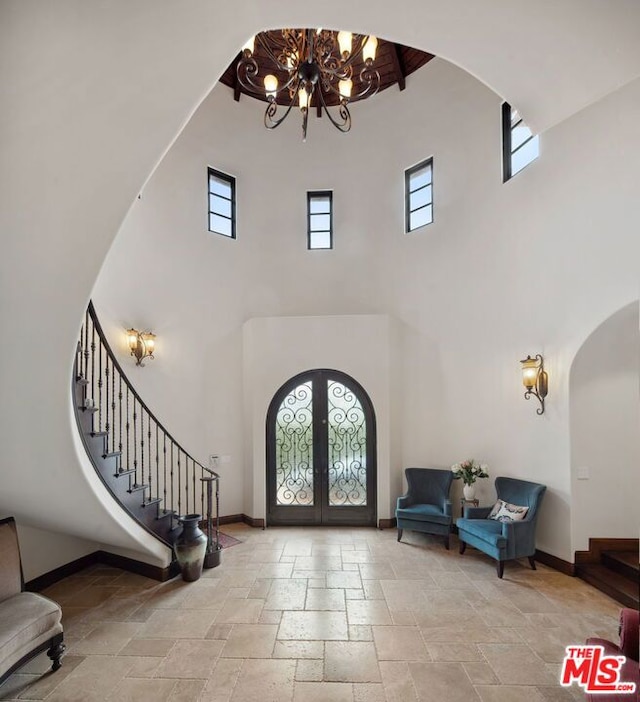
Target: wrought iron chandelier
313,64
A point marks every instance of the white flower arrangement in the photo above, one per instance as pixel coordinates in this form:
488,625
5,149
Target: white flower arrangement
469,471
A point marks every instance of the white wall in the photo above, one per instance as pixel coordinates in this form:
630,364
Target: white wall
42,551
276,349
605,417
505,270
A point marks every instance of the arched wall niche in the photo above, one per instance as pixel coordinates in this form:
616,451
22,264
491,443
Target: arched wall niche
278,348
604,420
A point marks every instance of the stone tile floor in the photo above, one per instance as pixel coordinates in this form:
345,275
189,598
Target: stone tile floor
324,614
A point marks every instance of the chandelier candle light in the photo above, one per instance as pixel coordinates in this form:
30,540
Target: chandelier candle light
469,471
312,63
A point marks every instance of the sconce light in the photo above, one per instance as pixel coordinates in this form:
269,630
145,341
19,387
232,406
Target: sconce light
141,345
534,378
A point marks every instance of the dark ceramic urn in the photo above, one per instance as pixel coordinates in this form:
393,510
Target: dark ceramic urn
190,547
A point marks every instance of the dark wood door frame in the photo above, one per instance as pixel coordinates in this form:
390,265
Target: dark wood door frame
321,512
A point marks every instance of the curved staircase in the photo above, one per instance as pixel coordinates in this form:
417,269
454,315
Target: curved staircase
148,473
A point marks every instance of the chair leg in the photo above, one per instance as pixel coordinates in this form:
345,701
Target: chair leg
463,546
399,534
56,652
446,542
532,562
500,569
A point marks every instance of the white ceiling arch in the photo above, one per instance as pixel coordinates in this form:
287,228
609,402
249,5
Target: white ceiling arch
111,84
550,58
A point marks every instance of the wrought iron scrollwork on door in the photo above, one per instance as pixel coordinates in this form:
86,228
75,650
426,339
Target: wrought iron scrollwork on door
347,440
294,447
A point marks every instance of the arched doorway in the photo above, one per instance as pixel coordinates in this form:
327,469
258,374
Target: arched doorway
604,416
321,452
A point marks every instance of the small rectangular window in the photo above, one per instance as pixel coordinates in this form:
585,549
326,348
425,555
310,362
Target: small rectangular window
519,146
222,203
320,219
418,189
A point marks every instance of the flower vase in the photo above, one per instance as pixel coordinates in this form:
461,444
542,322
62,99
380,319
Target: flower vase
190,547
469,492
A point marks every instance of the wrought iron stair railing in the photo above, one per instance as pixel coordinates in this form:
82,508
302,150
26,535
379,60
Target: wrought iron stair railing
143,466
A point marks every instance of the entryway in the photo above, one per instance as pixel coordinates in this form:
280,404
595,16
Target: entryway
321,452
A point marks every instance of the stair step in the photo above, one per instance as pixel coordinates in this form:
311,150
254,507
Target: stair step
82,408
164,513
124,472
98,434
617,586
82,381
137,488
112,454
623,562
151,501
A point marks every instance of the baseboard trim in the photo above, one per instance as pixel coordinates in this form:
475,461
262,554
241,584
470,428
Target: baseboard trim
387,523
53,576
104,558
556,563
129,564
252,522
597,546
139,567
242,519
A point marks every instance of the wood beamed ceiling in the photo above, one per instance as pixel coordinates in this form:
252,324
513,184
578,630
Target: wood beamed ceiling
394,63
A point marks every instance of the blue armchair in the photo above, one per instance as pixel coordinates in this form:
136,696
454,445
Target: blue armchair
504,540
426,506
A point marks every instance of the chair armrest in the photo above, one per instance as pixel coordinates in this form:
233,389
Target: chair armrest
476,512
403,501
447,509
520,538
517,529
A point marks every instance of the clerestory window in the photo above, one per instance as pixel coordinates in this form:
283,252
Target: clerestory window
418,190
320,219
519,146
222,203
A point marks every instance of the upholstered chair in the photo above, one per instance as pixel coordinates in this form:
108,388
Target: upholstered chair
505,538
29,623
628,647
426,506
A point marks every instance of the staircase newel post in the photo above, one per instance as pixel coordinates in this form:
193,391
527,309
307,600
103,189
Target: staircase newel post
217,511
214,552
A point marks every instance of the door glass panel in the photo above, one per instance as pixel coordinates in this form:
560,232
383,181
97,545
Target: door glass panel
294,448
347,445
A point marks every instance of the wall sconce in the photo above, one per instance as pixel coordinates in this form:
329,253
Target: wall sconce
535,379
141,345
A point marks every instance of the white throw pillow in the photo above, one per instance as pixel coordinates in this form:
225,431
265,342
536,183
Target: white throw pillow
504,512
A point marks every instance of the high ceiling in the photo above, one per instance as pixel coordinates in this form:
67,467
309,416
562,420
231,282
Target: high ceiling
394,62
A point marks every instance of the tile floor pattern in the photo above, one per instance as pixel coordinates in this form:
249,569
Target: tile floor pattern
324,614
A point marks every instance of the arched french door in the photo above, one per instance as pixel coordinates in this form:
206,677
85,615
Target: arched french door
321,452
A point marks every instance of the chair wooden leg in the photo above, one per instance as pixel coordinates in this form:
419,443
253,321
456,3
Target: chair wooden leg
463,546
500,569
399,534
446,542
532,562
56,652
